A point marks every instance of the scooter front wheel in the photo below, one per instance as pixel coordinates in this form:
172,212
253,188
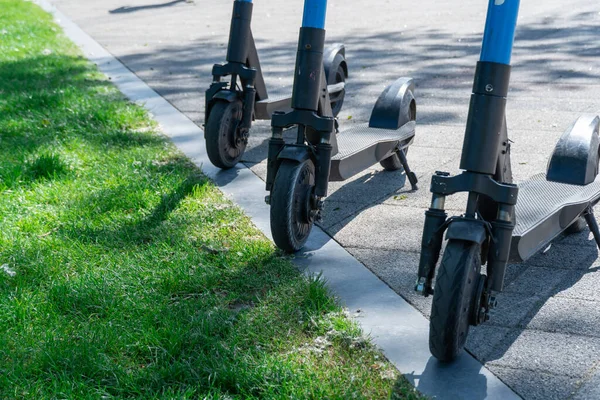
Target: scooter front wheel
292,216
453,300
224,144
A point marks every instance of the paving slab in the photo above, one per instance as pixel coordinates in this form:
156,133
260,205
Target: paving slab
589,389
539,385
404,226
582,286
583,256
451,137
571,316
554,78
338,211
514,308
395,269
540,281
485,340
537,351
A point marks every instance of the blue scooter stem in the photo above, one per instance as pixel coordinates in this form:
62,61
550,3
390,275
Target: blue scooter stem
245,1
499,34
314,14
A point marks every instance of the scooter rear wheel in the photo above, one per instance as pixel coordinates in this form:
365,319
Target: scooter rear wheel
453,300
392,163
578,226
224,145
291,211
340,76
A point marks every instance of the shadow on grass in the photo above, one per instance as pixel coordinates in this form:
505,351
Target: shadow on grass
44,110
127,234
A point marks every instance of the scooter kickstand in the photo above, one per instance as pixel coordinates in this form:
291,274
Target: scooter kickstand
412,178
593,225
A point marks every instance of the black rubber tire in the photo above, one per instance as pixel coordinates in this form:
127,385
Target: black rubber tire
340,76
222,145
392,163
289,226
578,226
455,288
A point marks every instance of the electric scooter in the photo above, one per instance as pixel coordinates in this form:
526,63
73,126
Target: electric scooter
298,173
496,228
230,109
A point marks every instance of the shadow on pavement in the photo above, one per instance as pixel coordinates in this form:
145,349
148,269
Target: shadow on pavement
453,380
127,9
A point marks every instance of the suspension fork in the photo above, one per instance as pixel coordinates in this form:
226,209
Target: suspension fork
314,131
431,242
485,135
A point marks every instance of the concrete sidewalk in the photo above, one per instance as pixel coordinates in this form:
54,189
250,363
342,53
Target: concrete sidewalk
543,341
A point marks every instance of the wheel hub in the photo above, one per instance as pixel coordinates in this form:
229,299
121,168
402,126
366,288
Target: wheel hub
304,202
479,311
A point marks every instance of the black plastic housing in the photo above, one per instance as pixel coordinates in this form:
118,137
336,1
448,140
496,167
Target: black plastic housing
239,32
498,254
309,67
505,193
323,168
486,117
431,245
275,147
467,229
249,98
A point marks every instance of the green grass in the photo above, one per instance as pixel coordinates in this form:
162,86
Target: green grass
126,274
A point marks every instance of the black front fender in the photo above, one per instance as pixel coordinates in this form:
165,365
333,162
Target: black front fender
295,153
227,95
467,230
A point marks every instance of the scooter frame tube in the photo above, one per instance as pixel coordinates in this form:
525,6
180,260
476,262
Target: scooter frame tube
499,34
490,89
309,58
314,14
237,50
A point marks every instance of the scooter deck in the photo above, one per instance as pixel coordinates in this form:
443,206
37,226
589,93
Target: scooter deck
361,147
280,101
544,210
